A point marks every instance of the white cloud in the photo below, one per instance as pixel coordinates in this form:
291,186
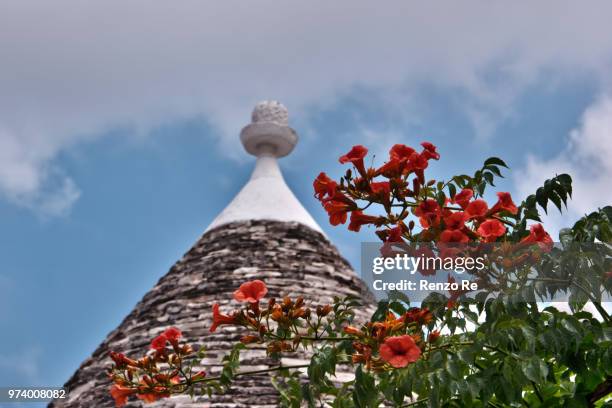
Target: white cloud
58,200
27,177
586,158
71,70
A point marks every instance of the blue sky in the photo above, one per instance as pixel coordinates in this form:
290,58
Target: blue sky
118,148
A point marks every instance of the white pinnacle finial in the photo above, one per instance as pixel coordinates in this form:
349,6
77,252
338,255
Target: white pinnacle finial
270,111
266,196
269,132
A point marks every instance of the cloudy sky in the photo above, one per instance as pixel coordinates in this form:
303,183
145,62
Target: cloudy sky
119,124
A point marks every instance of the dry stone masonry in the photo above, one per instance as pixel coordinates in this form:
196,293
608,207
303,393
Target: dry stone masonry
291,258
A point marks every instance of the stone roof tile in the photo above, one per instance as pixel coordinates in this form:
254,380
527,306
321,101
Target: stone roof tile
292,258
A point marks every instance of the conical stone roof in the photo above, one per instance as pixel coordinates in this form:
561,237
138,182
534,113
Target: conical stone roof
285,249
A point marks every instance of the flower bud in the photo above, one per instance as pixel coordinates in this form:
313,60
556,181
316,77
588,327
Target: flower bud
248,339
277,314
159,356
434,336
324,311
271,303
161,378
353,331
274,347
198,376
416,186
358,358
296,314
144,362
299,302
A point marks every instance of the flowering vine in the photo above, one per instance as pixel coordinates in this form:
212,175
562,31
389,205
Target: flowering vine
451,350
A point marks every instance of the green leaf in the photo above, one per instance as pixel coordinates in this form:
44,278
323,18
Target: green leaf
532,214
481,188
530,201
365,393
323,362
495,170
556,200
561,191
441,198
496,161
398,307
399,296
452,190
231,362
566,181
535,369
542,198
381,311
607,211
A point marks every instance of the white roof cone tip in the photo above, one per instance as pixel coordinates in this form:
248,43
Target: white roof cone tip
266,196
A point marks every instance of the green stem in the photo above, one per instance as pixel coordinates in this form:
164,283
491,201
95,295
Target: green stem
602,311
251,372
417,402
537,391
311,338
598,306
471,343
447,345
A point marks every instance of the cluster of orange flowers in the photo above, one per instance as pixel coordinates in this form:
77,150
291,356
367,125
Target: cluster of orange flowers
400,186
285,314
398,340
156,375
393,343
